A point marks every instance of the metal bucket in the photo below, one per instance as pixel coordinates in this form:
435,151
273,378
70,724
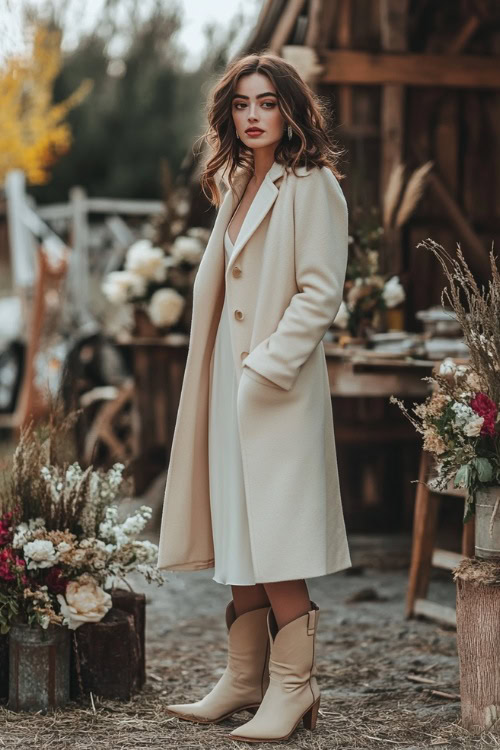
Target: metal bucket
38,667
488,523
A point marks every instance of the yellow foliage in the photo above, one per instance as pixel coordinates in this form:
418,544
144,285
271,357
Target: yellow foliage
33,133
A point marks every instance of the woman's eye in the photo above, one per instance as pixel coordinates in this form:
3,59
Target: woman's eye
267,105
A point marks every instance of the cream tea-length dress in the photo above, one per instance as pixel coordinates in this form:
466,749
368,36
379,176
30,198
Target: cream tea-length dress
233,559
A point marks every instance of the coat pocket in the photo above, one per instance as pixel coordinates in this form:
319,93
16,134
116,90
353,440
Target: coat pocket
260,378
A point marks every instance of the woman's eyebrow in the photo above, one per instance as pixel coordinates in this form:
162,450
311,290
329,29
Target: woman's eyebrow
259,96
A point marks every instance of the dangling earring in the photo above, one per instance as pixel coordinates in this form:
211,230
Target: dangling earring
237,136
290,132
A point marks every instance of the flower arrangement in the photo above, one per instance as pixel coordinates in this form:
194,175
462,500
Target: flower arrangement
159,280
367,292
61,540
460,421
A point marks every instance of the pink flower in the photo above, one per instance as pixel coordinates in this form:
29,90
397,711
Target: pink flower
486,408
8,564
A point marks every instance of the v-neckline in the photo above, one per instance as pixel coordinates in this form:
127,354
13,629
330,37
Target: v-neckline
245,217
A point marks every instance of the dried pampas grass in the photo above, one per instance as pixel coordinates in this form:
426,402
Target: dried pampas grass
400,201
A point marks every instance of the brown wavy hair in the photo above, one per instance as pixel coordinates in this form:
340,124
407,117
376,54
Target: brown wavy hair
307,113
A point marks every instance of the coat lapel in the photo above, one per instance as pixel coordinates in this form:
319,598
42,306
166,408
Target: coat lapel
261,204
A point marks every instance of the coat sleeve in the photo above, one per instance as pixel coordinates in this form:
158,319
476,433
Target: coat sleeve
321,242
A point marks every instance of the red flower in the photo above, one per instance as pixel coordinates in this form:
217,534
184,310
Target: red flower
6,530
486,408
55,581
9,561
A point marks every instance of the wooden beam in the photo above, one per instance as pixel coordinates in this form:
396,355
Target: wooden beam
314,23
478,257
365,68
466,32
285,25
343,35
393,34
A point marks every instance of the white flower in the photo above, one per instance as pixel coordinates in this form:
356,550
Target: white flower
40,553
187,248
467,420
85,602
121,286
44,621
166,307
393,293
21,535
146,551
63,547
342,317
146,260
473,428
447,367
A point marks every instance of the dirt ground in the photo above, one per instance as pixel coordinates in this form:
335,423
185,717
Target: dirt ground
367,654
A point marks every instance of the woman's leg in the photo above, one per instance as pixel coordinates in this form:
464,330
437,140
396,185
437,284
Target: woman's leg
248,598
289,600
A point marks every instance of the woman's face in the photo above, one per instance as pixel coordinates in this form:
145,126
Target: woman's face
255,105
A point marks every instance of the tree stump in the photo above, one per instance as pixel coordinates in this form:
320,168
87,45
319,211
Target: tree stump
478,643
134,604
4,667
105,658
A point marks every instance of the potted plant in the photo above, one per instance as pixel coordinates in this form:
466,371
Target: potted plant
62,546
459,421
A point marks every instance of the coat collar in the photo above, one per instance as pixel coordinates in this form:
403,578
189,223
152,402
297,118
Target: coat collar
276,170
260,206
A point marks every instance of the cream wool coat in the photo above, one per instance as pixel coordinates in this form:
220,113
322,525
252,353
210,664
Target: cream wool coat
284,285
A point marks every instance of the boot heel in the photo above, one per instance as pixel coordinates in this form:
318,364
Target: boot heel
311,716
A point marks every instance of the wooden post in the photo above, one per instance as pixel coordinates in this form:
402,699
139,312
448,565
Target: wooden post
344,42
78,277
393,32
478,643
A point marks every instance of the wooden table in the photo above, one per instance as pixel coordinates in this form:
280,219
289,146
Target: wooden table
377,448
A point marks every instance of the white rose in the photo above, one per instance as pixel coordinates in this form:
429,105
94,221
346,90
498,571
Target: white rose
473,428
147,261
121,286
85,602
393,292
186,248
63,547
40,553
342,317
166,307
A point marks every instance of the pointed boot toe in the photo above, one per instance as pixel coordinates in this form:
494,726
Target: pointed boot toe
293,694
246,676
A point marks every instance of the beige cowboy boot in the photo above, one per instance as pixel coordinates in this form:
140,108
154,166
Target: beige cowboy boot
293,693
246,677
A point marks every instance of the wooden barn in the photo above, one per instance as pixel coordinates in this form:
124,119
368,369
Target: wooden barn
408,81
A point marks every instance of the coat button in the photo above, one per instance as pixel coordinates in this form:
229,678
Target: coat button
238,315
236,271
243,355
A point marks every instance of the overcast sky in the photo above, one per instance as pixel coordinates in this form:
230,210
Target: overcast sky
196,13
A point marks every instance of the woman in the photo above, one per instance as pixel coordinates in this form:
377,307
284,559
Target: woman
252,488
